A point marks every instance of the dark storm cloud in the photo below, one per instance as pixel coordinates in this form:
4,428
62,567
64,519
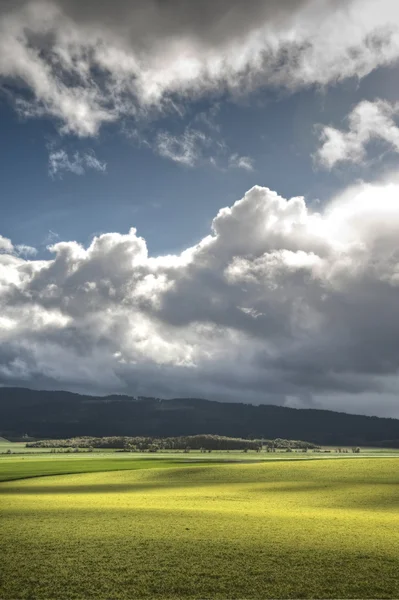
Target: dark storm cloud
279,305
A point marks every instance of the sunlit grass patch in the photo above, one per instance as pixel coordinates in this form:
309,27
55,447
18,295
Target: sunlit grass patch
294,529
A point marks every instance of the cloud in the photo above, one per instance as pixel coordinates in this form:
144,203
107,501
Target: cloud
91,162
194,148
186,149
24,250
59,161
241,162
7,247
51,238
368,121
278,304
86,64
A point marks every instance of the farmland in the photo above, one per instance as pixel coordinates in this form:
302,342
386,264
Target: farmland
121,526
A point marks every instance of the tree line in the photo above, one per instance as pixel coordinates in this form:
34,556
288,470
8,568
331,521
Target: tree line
187,442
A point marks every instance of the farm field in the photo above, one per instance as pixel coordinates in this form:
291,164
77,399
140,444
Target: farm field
168,528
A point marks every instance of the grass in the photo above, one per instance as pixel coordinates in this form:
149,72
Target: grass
17,447
25,468
158,528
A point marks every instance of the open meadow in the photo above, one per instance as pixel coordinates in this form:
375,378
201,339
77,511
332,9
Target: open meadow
121,526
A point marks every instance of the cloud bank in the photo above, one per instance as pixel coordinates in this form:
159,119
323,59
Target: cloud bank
278,304
86,64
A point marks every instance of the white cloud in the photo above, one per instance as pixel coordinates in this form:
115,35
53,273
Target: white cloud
368,121
7,247
186,149
86,64
24,250
241,162
51,238
277,303
193,147
60,161
90,161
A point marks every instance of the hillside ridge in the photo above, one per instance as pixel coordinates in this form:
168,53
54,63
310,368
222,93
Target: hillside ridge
62,414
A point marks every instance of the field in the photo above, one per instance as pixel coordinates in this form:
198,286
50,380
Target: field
18,447
121,526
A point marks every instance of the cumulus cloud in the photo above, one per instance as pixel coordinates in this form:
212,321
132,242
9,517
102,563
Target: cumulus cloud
368,121
60,161
279,303
89,63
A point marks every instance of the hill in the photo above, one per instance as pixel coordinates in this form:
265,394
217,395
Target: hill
58,414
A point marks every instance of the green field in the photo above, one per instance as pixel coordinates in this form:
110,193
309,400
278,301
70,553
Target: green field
161,527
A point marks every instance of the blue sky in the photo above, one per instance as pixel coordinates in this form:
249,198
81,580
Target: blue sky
172,204
154,117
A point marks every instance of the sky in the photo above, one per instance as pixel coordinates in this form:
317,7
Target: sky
202,200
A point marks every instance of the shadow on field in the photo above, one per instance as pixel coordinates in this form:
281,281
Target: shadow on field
157,481
186,565
374,501
293,487
268,488
87,489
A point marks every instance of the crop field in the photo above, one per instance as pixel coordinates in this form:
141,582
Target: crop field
127,527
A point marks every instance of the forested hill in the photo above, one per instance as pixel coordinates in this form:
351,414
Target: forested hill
55,414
